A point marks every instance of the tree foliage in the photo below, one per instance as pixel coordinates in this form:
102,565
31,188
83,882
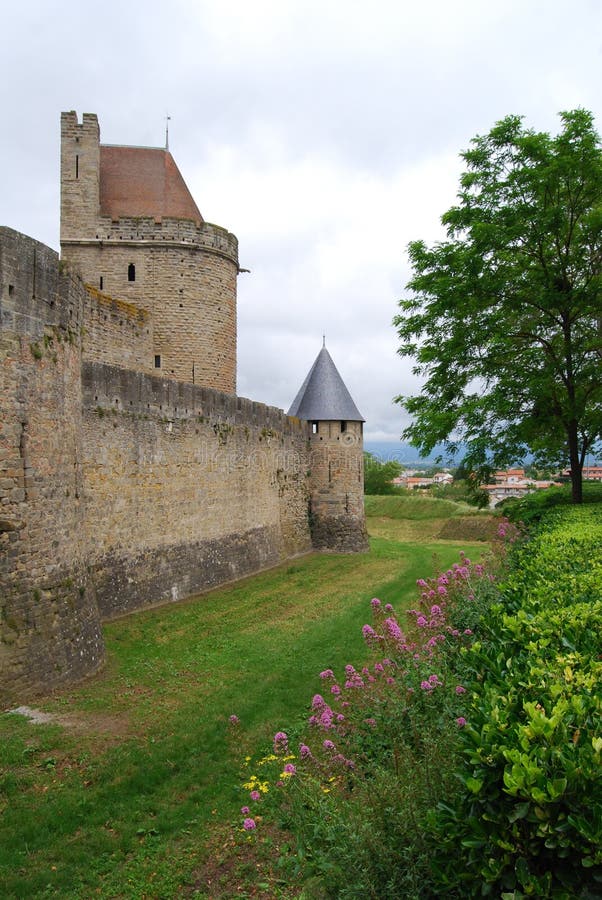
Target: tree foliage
378,476
505,316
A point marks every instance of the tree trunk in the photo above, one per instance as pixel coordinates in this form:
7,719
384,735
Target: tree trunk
575,464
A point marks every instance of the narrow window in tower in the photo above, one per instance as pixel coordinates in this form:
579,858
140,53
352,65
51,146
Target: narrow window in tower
76,166
131,272
343,427
314,427
157,362
101,283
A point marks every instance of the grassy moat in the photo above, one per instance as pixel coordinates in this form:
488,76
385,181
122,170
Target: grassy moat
133,788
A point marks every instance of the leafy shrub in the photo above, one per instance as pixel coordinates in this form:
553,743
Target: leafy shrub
378,476
532,508
464,761
529,820
379,752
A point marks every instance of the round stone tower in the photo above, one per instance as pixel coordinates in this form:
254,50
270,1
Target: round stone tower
337,515
131,228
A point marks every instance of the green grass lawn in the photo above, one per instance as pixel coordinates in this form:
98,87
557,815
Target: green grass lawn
123,797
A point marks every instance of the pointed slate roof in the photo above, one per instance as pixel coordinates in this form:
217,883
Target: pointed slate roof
323,395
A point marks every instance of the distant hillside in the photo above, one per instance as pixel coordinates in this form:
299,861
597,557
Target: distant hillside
406,454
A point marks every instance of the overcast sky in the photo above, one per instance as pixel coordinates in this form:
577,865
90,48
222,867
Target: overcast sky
326,135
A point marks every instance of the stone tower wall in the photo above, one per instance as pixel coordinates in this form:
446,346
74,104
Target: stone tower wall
182,274
337,487
80,176
49,624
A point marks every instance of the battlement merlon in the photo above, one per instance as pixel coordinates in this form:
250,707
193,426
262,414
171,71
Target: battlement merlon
89,123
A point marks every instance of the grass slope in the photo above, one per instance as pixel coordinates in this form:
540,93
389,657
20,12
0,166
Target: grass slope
120,797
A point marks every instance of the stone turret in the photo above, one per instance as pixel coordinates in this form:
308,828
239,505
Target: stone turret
337,458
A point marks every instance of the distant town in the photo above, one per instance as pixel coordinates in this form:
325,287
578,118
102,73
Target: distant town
505,483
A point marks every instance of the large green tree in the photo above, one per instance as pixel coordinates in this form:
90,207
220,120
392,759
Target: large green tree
378,476
505,315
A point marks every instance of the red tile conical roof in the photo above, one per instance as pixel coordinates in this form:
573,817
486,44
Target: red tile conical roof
143,182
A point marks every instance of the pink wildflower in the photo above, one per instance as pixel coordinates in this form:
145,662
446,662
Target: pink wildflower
460,689
290,769
249,824
368,633
327,673
244,810
375,603
326,717
304,751
255,795
335,689
461,721
234,720
394,629
328,745
280,741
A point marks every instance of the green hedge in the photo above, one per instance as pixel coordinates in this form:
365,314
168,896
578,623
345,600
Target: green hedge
529,820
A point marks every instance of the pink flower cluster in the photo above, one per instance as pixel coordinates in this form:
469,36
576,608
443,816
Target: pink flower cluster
280,742
402,672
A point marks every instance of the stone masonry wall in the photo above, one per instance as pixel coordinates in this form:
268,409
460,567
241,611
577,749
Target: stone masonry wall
188,296
49,624
186,487
116,332
80,175
120,488
337,487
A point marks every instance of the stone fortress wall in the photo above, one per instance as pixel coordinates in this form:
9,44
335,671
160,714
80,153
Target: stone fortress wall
130,472
49,624
119,489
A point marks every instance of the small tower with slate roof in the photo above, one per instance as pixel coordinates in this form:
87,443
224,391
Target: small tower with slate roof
337,458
